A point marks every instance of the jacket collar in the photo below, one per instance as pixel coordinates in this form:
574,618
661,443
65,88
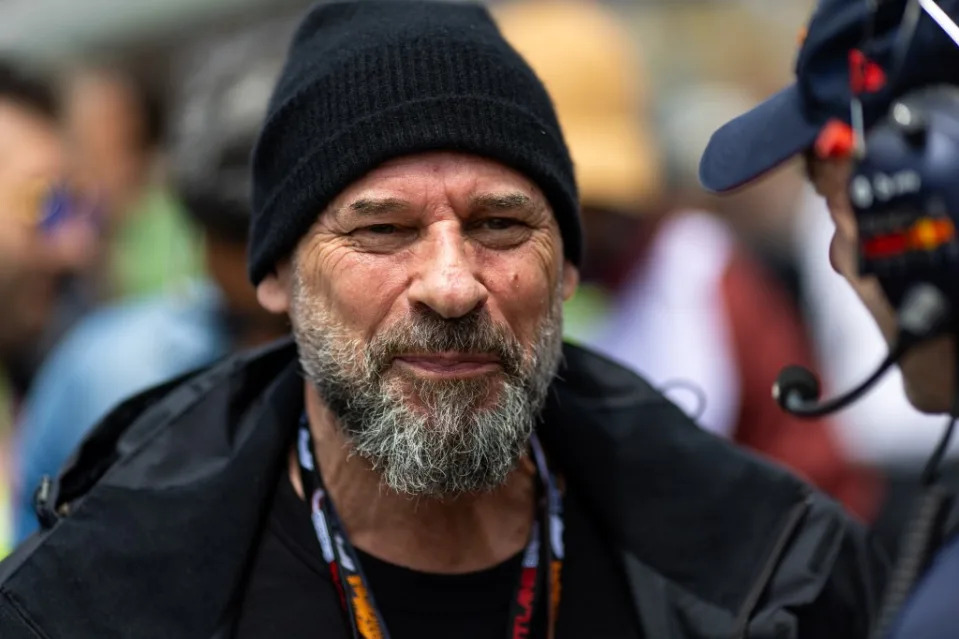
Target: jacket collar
672,497
669,494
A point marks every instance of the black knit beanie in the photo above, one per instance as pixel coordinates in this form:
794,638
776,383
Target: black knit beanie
368,81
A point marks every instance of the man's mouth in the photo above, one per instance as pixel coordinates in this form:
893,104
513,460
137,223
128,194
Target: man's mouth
450,364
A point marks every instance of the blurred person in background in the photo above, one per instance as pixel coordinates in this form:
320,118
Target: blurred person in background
120,350
763,218
115,122
38,244
668,290
31,161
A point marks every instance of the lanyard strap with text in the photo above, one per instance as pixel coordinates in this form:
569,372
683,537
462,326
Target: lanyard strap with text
365,618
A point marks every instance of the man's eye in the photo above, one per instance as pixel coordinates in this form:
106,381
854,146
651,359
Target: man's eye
500,223
381,229
383,237
500,232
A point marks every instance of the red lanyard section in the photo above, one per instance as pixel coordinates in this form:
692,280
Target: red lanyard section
545,547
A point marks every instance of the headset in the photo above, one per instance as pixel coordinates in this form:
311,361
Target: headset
904,191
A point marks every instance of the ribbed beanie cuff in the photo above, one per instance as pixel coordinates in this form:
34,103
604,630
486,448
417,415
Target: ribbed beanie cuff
369,81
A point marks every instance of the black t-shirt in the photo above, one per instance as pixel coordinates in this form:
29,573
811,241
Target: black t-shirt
290,593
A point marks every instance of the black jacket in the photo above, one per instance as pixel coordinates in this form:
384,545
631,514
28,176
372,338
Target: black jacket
149,531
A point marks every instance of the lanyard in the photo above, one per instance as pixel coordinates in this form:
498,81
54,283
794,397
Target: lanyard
545,547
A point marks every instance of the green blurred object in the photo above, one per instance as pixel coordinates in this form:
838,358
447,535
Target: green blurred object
156,248
6,519
583,314
6,508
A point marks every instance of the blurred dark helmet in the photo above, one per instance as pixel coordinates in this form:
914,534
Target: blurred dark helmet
222,105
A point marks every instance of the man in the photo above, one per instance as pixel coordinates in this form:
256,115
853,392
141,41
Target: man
812,117
438,464
125,348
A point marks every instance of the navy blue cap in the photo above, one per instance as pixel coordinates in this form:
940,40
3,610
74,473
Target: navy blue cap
790,121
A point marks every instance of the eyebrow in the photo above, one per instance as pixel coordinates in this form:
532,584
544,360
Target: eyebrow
487,201
376,206
501,201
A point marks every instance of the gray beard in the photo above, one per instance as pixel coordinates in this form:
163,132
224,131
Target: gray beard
459,439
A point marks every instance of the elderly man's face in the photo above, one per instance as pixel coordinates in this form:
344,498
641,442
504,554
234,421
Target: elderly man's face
426,303
928,368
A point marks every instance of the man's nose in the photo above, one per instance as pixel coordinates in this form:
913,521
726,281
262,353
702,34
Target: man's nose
445,278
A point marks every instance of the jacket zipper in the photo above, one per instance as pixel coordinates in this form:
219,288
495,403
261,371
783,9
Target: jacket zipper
793,517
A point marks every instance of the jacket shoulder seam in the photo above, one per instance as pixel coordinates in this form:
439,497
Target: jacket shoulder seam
791,524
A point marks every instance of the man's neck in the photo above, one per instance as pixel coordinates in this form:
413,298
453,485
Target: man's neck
455,535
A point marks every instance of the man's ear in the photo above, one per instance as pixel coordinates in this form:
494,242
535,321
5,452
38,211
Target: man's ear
570,279
273,292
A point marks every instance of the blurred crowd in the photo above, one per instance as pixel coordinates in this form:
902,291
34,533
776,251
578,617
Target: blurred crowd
124,210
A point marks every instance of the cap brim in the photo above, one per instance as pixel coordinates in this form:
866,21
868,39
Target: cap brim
757,141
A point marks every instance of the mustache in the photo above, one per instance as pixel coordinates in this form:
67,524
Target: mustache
427,332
